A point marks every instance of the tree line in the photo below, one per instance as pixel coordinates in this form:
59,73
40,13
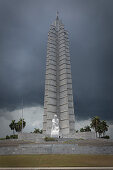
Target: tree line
100,127
17,126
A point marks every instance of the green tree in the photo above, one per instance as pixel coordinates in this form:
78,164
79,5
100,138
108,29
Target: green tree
104,127
99,129
82,130
37,131
12,126
87,129
95,123
100,126
18,126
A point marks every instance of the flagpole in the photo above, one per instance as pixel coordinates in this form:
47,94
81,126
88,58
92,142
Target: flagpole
22,114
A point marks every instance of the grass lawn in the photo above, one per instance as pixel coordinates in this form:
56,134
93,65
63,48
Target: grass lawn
55,160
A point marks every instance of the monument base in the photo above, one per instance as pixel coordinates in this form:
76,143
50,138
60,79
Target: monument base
31,137
40,137
54,134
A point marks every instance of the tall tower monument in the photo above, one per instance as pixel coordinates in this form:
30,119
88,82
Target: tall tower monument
58,98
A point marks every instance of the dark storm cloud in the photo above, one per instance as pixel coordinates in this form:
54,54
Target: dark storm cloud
22,54
23,38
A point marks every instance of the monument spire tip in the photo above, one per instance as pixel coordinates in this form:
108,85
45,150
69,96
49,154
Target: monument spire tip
57,14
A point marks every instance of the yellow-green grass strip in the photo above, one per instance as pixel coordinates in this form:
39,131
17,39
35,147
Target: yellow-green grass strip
45,160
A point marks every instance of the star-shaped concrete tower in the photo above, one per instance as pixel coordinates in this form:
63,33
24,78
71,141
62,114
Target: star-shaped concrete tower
58,82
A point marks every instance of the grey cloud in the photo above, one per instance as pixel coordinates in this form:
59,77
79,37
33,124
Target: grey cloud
23,38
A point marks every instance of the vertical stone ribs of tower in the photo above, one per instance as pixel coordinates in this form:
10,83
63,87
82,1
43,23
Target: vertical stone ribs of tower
58,82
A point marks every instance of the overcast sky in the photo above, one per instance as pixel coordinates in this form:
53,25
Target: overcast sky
24,25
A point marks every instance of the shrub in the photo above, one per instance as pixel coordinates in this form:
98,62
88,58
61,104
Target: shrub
7,137
82,130
50,139
2,138
105,137
85,129
37,131
13,136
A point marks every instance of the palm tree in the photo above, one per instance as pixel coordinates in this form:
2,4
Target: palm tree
99,129
24,123
12,125
18,126
94,123
104,127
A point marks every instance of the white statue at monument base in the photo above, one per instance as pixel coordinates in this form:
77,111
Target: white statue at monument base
55,127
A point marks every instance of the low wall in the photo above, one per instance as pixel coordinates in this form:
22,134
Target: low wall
81,135
55,149
31,137
40,137
86,135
